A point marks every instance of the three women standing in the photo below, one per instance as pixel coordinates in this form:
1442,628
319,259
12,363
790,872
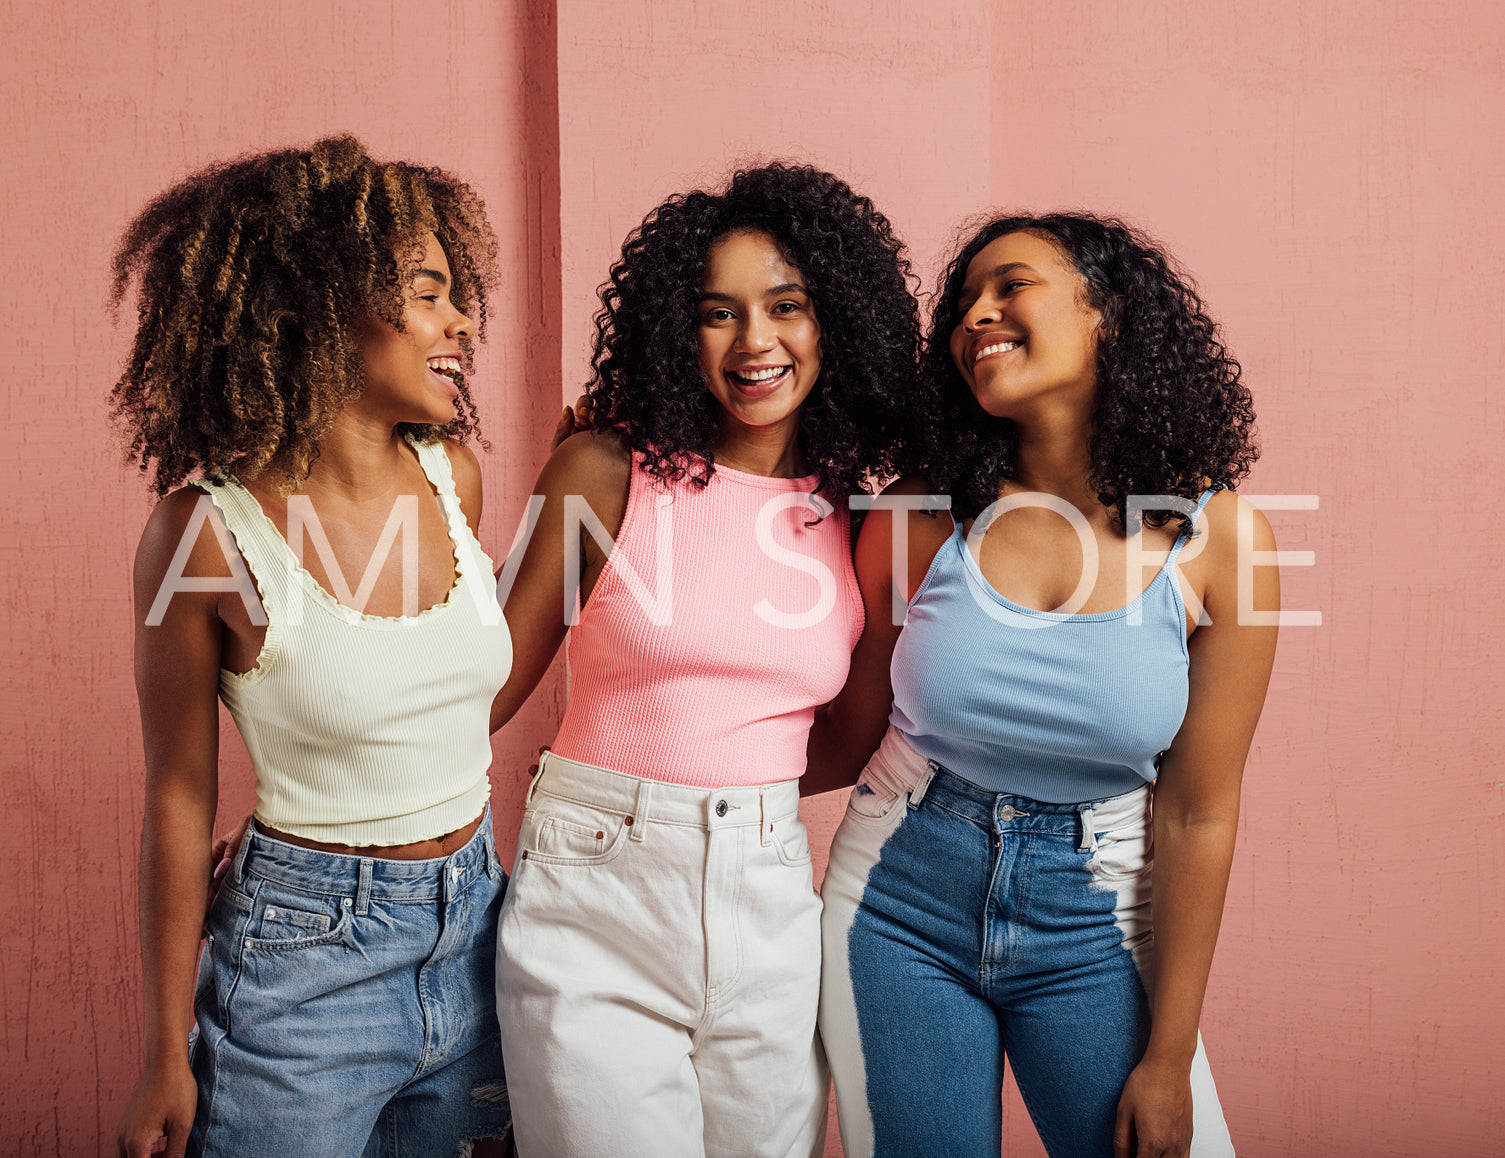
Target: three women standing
658,963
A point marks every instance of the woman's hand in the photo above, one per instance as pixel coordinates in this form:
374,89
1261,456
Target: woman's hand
222,856
160,1113
573,420
1154,1113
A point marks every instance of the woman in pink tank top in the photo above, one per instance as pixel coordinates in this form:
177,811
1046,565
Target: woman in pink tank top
659,953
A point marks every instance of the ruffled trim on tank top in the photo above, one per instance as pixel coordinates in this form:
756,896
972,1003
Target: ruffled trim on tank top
271,643
449,506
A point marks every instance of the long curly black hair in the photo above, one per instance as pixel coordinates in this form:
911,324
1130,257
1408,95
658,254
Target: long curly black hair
1173,416
254,277
646,378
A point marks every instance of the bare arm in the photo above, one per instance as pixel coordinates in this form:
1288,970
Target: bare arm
596,468
1195,823
177,680
848,730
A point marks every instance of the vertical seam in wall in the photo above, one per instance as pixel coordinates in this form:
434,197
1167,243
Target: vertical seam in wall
544,273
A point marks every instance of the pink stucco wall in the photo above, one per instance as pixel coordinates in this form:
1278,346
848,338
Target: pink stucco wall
1331,173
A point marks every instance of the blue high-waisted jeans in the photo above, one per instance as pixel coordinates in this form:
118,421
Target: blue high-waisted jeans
346,1005
961,925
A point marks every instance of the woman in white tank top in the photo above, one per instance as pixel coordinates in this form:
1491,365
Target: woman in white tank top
300,363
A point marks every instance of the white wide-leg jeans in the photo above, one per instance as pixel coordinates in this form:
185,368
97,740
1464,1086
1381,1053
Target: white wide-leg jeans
658,971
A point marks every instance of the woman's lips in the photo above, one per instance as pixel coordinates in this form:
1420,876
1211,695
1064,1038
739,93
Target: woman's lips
447,382
758,381
993,348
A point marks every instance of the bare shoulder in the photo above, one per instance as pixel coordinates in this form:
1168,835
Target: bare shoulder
187,511
592,462
1234,524
466,469
924,530
463,462
180,540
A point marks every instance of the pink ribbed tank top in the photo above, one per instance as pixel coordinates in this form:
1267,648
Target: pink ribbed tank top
719,623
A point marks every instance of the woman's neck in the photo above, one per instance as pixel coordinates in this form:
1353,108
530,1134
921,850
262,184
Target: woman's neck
1054,455
771,451
356,459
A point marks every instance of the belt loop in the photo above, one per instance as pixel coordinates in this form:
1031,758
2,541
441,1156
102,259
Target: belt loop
917,793
1088,842
363,891
639,822
245,848
537,776
765,820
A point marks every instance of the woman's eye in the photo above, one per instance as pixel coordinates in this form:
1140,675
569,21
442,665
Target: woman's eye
1010,286
717,315
786,307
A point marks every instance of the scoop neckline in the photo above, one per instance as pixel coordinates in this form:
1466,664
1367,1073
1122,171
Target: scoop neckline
974,573
345,611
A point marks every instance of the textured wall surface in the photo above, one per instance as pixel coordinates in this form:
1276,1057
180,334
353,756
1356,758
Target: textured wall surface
1329,171
103,107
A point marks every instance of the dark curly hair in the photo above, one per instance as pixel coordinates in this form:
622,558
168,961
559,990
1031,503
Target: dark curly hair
1172,416
254,277
646,378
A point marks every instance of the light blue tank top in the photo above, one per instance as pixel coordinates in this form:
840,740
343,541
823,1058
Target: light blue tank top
1058,708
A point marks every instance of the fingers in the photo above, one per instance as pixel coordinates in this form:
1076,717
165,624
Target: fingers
1123,1133
176,1144
562,429
143,1144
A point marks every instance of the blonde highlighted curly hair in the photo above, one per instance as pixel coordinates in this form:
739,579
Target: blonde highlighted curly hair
253,280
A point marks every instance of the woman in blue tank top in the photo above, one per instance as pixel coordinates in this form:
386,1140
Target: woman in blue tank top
1075,644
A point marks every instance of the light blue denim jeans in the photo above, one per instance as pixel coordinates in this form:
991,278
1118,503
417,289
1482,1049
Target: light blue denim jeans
345,1005
962,926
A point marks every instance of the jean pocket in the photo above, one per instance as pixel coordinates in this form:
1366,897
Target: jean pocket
564,832
872,797
303,923
1123,855
791,840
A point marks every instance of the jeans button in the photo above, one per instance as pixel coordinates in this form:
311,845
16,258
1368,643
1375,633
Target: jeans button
721,808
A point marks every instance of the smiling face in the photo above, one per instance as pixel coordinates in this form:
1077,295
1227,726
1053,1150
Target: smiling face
409,373
1027,333
758,338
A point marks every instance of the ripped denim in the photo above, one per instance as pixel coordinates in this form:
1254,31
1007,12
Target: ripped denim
345,1005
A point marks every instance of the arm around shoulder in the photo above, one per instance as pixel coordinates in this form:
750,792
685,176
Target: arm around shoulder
895,548
586,477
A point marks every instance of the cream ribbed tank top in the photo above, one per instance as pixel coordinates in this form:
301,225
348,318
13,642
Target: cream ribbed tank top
363,729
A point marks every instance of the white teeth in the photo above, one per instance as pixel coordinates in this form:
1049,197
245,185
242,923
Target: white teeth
760,375
444,365
996,348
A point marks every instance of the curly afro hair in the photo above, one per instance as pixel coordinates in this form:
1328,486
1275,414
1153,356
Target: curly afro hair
1172,416
254,278
646,378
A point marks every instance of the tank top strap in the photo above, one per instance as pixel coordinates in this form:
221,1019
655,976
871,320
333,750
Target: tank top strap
1196,515
434,460
264,551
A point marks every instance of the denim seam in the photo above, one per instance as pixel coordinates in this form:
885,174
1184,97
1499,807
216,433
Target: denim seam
984,825
1047,1138
237,946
